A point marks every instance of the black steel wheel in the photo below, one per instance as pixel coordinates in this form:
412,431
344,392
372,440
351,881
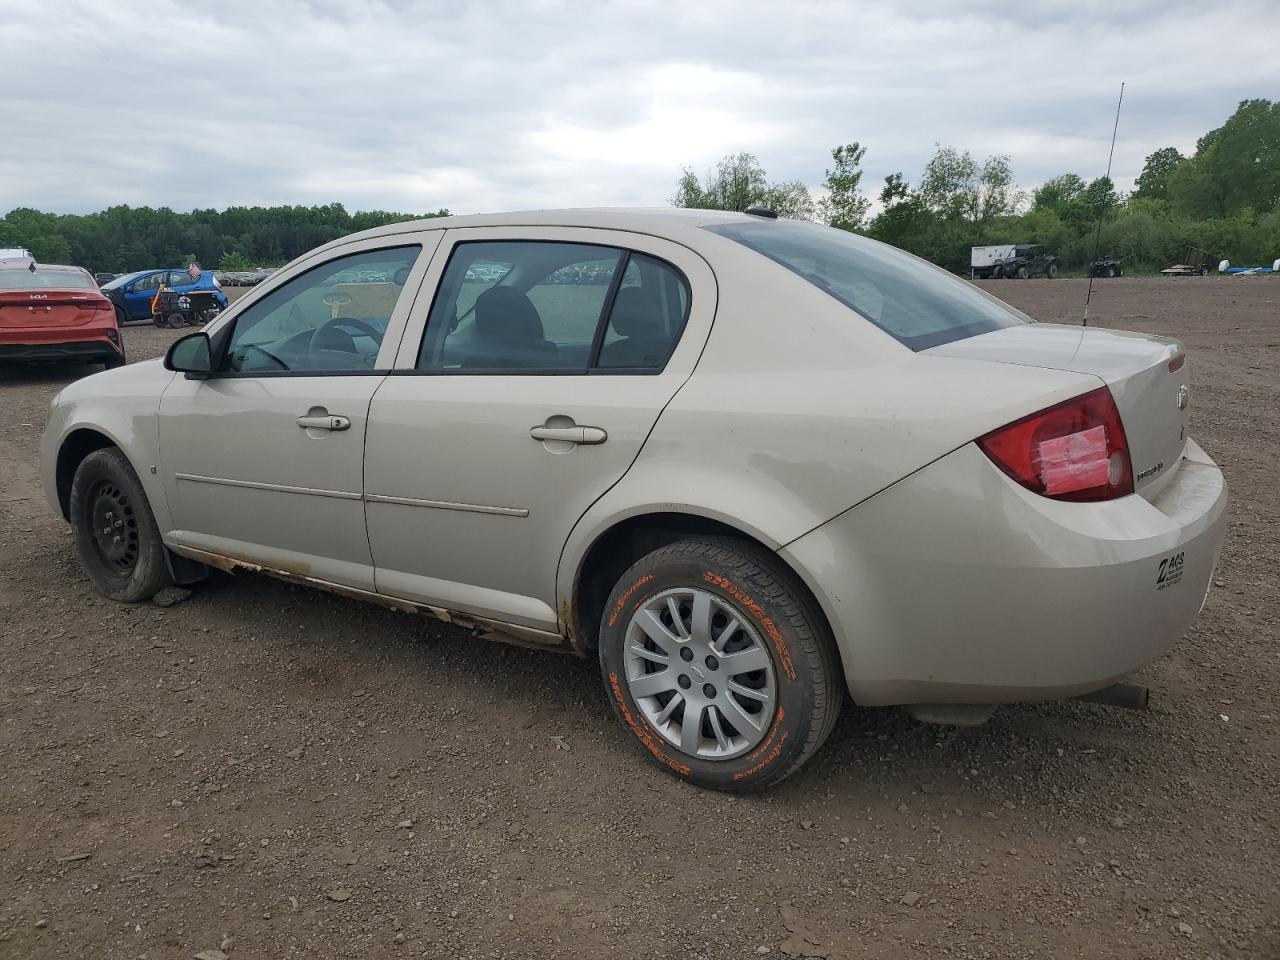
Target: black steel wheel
115,533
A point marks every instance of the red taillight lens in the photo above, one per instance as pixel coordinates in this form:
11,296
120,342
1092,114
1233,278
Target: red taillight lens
1074,450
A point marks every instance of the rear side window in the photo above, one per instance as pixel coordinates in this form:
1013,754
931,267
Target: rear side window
647,316
518,306
914,302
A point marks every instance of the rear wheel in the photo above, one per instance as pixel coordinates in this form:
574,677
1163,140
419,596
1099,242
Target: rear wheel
719,663
115,534
175,321
1111,271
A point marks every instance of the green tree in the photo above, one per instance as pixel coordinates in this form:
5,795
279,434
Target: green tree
739,182
1057,193
844,206
1153,182
1100,197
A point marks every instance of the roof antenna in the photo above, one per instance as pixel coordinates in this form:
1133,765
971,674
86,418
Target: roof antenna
1097,237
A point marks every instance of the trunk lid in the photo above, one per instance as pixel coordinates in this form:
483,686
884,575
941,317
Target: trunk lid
1152,398
51,308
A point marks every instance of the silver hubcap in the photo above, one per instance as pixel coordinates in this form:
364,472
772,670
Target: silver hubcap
700,674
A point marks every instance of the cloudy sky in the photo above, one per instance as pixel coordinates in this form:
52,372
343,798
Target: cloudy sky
481,106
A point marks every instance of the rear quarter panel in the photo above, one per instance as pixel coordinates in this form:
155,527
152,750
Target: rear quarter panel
799,409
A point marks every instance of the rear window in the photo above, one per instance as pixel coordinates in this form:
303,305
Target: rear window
914,302
46,280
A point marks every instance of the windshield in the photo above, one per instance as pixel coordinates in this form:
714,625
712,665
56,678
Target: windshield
45,280
913,301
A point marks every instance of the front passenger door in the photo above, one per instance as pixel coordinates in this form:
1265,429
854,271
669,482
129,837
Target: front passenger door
264,460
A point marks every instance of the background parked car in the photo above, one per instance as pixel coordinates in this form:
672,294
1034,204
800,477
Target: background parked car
132,293
55,313
104,278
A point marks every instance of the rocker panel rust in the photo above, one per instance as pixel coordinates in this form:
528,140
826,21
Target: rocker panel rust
482,627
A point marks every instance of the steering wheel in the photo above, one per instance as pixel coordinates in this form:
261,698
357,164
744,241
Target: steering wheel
337,322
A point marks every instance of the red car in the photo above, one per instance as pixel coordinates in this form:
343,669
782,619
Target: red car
56,313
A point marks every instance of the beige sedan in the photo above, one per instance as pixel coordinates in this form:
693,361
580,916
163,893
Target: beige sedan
752,465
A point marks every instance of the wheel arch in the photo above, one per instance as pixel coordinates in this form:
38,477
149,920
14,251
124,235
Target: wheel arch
75,446
626,540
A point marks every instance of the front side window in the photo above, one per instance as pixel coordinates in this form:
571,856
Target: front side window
914,302
151,281
331,318
551,307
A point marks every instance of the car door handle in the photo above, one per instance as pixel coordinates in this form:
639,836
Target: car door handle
324,423
570,434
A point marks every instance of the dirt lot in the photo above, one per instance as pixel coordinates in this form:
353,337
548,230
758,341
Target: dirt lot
275,772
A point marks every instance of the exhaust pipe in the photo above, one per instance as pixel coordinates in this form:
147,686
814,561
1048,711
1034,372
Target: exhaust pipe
1130,696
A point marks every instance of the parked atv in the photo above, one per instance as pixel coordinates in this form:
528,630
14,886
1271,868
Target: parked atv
1106,267
1027,260
174,309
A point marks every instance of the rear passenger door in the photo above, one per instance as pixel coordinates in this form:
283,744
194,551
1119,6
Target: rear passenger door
546,358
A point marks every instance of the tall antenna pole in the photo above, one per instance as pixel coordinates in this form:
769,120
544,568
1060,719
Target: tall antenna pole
1097,237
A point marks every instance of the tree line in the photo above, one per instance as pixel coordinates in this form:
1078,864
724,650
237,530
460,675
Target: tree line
1224,198
133,238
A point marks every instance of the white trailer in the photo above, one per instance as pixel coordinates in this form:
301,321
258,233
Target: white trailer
982,259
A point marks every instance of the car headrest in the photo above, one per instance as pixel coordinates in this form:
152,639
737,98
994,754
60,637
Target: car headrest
636,313
506,313
401,276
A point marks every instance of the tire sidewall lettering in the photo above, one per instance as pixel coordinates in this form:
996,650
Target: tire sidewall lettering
754,608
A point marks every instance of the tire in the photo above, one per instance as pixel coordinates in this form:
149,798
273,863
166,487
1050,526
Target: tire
997,274
1111,271
780,629
1051,271
120,317
1204,271
1023,273
175,321
106,492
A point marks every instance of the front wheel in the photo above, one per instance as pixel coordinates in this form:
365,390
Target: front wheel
1023,273
718,661
1051,271
115,534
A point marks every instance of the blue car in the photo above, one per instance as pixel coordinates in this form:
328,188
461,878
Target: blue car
132,293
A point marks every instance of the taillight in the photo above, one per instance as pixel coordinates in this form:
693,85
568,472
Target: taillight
1075,450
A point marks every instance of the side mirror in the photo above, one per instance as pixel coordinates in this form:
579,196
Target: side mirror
191,355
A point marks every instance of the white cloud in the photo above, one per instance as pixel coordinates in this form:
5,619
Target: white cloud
408,105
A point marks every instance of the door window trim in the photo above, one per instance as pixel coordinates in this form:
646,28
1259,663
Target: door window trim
602,322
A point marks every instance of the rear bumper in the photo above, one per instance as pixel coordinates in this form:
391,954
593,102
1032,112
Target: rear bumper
956,585
80,347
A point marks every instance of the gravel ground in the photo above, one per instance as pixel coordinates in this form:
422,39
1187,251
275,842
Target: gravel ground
272,772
